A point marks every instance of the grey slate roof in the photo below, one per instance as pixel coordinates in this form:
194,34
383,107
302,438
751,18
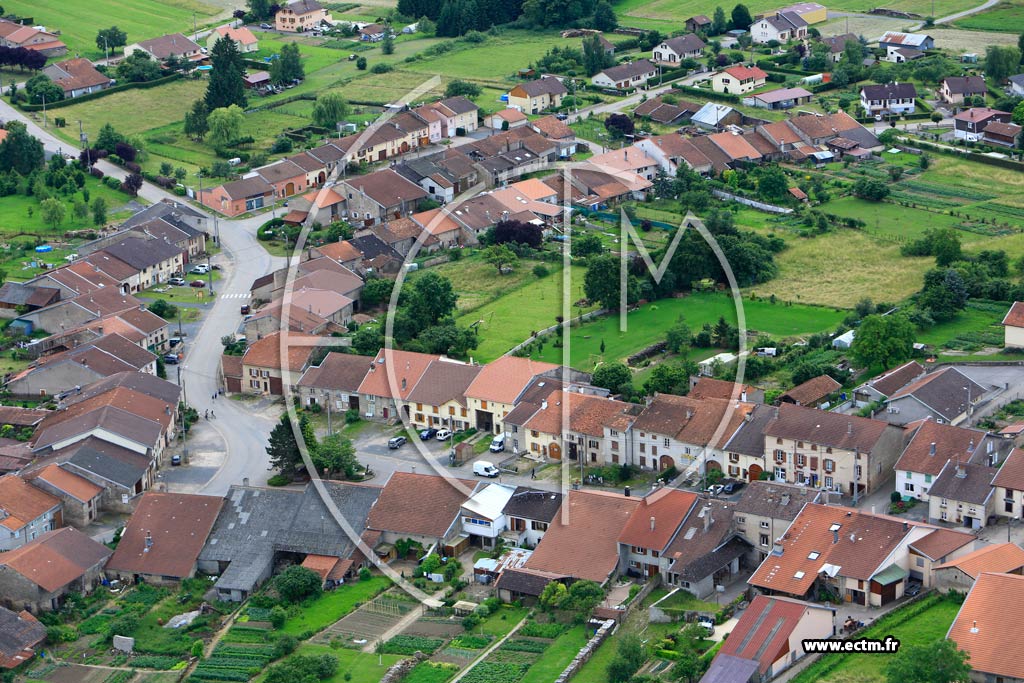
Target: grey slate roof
18,633
946,392
109,418
749,438
769,499
256,523
730,669
113,463
142,382
974,487
533,504
142,253
890,91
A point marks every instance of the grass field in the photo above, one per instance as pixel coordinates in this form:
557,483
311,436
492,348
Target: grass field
132,111
496,58
556,657
924,628
841,268
477,282
333,605
79,22
648,324
20,215
1006,16
353,665
510,319
671,14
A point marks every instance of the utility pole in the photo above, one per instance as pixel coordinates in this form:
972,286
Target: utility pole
179,322
209,273
106,51
44,110
84,139
327,400
181,410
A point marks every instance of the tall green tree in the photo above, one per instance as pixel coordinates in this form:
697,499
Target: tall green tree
52,212
501,257
111,38
719,24
283,449
387,45
594,57
431,298
741,18
196,120
611,376
138,67
41,89
1001,62
288,66
883,341
330,108
226,86
944,294
604,17
260,9
936,662
99,211
335,454
225,124
20,151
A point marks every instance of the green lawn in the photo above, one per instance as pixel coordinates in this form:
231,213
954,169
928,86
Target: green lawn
975,328
510,319
1006,16
648,324
477,282
20,215
333,605
353,665
502,621
927,627
554,659
596,668
133,111
496,58
78,22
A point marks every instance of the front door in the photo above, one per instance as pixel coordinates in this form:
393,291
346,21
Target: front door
755,472
555,451
666,462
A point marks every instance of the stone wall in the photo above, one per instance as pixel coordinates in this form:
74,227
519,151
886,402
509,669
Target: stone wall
587,651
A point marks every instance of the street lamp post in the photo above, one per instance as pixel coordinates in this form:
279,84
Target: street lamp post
181,411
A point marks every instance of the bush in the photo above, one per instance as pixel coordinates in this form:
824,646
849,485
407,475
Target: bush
297,583
381,68
61,634
113,183
540,270
278,616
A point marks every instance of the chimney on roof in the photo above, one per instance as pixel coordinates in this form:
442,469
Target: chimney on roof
149,542
245,481
652,523
743,395
974,626
961,472
849,428
835,536
785,499
853,537
544,404
970,446
707,518
625,492
906,527
931,448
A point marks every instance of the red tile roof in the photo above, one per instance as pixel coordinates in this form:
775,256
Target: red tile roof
810,543
266,352
394,373
178,524
1015,316
418,504
762,632
890,382
988,627
942,542
75,486
950,443
21,503
813,390
56,558
504,379
743,73
999,557
656,518
1011,474
586,546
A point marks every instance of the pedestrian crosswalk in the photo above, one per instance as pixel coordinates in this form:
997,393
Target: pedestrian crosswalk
236,295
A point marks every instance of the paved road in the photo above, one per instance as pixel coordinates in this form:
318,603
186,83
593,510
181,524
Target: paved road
960,15
232,446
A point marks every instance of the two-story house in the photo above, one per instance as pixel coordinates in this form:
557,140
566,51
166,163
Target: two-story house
844,453
933,444
970,124
765,510
534,97
738,79
652,526
528,512
379,197
26,512
241,36
389,380
626,76
963,494
957,89
672,51
782,27
947,396
266,371
888,99
301,15
483,514
439,397
1009,486
495,391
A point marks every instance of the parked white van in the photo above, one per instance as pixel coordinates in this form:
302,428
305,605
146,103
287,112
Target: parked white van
482,468
498,443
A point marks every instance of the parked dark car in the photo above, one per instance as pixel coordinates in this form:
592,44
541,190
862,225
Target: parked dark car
171,358
246,309
197,283
428,434
175,460
396,442
913,589
732,486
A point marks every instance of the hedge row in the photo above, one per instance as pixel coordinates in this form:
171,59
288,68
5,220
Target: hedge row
102,93
973,156
709,94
